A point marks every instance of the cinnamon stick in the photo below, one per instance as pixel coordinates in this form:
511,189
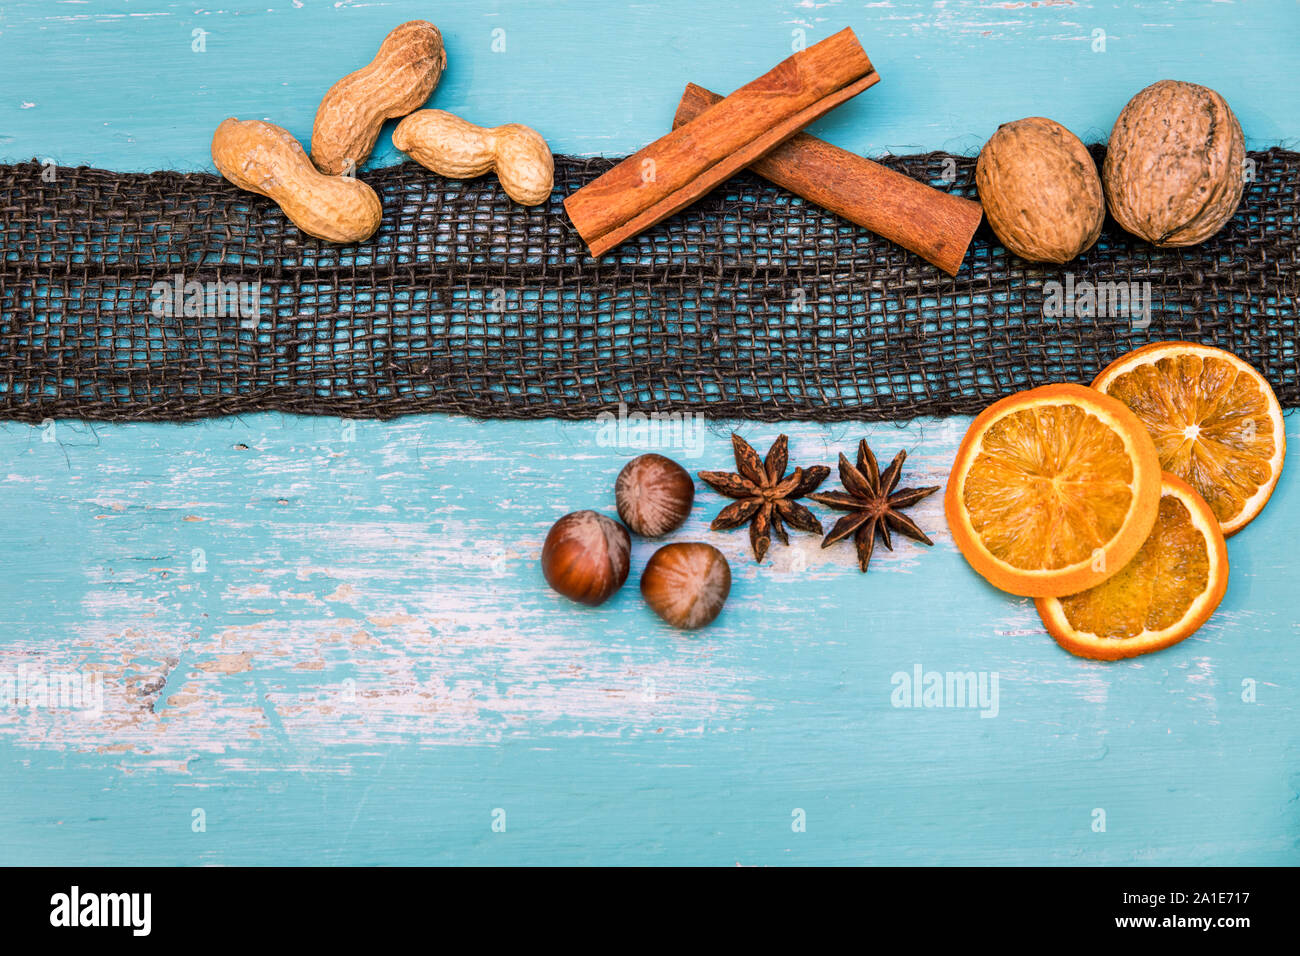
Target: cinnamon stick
679,168
935,225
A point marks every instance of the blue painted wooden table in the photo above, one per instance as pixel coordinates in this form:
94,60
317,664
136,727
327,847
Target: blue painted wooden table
309,640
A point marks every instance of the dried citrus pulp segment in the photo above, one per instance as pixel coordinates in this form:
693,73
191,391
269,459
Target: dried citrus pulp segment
1160,597
1053,490
1215,421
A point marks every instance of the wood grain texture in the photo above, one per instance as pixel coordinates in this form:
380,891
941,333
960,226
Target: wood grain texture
77,92
333,639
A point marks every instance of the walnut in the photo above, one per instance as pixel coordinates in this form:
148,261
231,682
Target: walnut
1175,164
1040,190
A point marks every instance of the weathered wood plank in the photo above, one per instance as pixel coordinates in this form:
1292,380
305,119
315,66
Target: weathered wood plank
333,640
332,608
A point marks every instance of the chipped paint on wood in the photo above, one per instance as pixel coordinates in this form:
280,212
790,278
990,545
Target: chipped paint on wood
342,651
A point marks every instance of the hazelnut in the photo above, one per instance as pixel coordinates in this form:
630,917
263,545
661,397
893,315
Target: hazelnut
585,556
686,583
1175,164
654,495
1040,190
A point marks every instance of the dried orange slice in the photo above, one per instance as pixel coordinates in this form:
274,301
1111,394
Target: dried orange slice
1160,597
1053,490
1215,421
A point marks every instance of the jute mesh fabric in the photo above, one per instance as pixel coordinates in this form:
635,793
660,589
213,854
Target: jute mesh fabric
750,304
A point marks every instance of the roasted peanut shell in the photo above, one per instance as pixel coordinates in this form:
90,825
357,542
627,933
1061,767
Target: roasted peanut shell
456,148
265,159
398,80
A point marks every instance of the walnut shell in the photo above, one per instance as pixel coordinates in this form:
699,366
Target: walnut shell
1175,164
1040,190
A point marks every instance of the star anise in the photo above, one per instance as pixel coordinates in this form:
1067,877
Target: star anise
872,504
765,494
